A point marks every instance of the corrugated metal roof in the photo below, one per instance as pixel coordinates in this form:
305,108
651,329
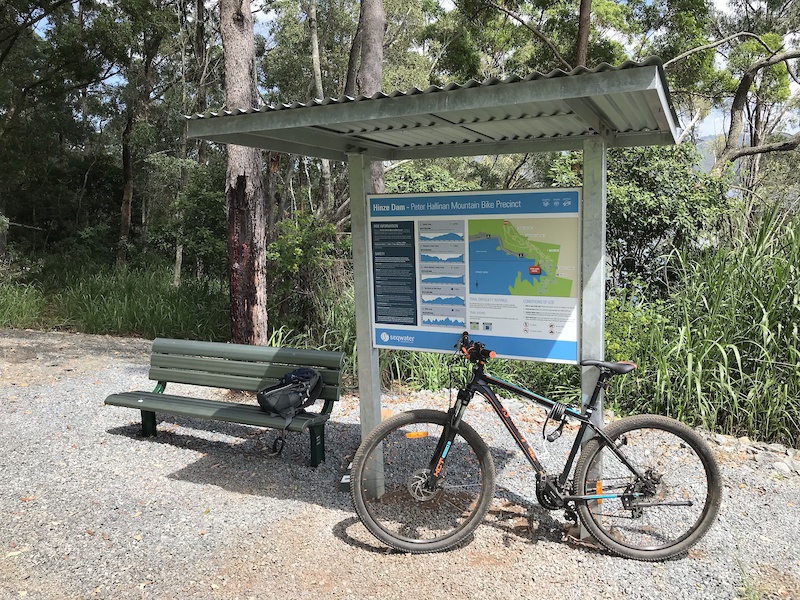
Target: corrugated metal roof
628,105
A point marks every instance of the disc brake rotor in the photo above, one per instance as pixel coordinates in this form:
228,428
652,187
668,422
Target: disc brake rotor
418,486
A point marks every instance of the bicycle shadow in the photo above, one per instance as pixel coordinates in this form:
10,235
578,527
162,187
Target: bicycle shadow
514,517
238,459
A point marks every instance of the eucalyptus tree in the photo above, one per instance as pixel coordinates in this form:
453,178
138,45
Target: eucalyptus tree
244,193
754,44
147,26
762,51
300,69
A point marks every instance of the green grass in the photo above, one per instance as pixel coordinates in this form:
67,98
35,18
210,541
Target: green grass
142,303
723,349
121,302
21,305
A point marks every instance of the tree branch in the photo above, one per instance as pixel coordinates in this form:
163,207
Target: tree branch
788,144
719,43
732,151
689,127
537,32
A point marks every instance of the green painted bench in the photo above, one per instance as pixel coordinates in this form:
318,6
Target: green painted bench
235,367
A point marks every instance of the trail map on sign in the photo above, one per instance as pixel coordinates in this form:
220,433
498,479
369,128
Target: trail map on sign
514,257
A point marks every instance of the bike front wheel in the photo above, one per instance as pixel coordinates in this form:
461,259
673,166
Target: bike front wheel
664,510
389,477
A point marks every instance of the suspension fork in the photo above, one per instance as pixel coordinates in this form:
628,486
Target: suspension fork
455,415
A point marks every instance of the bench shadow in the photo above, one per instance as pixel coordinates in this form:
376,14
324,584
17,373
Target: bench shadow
239,458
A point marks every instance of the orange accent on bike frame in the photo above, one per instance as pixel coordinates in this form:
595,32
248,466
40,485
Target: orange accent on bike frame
438,468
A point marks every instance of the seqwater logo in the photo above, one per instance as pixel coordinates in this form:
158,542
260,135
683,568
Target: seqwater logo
397,338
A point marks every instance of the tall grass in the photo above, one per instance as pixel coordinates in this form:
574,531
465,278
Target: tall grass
122,302
21,305
724,351
145,303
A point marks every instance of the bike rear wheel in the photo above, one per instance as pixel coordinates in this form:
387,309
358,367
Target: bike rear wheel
662,514
389,473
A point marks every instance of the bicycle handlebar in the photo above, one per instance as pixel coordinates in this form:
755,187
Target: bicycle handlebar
473,351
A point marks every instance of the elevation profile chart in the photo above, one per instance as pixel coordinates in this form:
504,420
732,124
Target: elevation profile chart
442,273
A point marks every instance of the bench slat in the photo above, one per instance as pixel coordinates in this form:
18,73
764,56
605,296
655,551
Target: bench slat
244,352
231,382
211,409
255,370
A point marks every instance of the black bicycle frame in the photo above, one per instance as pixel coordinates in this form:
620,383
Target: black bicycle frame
480,383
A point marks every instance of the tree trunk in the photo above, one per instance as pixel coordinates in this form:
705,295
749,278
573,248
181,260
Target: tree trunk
352,63
244,194
4,223
201,60
584,21
127,192
372,23
326,205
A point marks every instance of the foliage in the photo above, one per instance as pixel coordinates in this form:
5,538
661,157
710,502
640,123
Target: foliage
424,177
723,351
659,201
306,272
196,216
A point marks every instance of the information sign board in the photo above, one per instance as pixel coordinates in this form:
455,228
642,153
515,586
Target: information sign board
503,265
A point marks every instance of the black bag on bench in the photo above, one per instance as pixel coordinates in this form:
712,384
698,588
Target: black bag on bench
292,394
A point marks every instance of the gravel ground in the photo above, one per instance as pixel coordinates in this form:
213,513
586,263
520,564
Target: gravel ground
91,510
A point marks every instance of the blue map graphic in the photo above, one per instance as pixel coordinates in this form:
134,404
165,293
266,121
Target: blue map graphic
494,271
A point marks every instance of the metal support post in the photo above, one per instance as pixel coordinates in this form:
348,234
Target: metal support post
593,261
369,384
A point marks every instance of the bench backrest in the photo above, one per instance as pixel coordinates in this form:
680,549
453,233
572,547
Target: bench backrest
239,366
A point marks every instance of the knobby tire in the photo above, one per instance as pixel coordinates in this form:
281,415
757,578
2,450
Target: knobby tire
396,508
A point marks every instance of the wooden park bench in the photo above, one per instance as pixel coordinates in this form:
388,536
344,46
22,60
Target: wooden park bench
234,367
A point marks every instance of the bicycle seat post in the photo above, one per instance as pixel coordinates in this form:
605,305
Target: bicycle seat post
599,387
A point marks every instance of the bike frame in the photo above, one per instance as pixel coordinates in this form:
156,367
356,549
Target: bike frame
481,382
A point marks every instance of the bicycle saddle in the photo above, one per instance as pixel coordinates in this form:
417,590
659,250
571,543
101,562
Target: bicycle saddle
620,368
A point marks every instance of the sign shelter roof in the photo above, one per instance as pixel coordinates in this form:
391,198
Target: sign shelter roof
627,105
584,109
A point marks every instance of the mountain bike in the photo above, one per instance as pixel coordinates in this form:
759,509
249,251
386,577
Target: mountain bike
646,487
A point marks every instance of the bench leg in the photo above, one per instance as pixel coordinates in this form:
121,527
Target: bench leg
317,433
148,423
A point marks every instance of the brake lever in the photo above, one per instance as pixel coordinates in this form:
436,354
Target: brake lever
462,343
